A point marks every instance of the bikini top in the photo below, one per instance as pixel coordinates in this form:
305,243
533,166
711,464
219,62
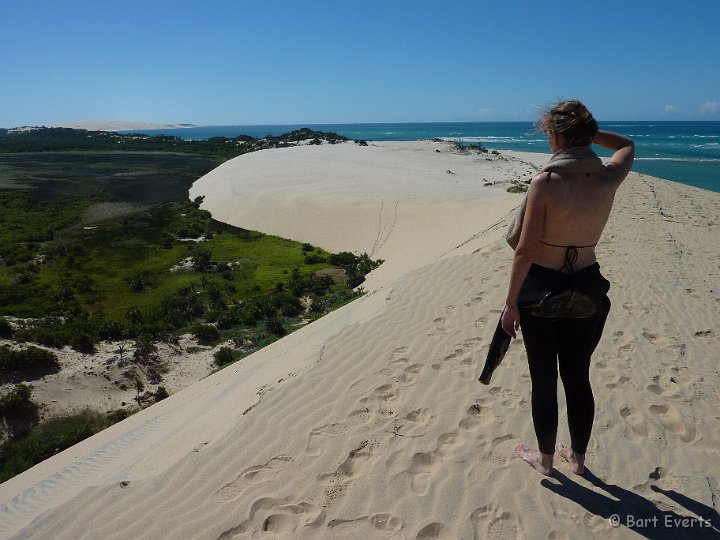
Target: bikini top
571,254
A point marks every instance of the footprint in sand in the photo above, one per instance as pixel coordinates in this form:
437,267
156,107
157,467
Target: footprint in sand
477,417
361,416
458,362
486,526
353,466
502,528
625,344
500,452
356,458
441,325
664,342
394,365
449,442
319,434
476,299
386,392
674,422
435,530
635,309
253,475
421,468
636,421
480,322
415,423
365,526
509,398
276,516
414,368
621,380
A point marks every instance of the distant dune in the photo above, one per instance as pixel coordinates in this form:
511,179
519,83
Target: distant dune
118,125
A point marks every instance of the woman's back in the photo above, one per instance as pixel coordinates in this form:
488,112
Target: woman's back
577,208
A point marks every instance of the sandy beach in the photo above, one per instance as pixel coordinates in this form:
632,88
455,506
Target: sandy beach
370,422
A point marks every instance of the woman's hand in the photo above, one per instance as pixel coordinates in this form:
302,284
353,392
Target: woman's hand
511,319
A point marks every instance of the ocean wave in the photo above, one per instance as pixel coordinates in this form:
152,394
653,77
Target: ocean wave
681,160
492,139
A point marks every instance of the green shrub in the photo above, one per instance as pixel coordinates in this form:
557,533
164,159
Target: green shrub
315,259
6,329
18,411
201,260
134,315
118,415
83,342
28,362
161,393
205,333
310,284
517,188
275,326
145,351
110,330
223,356
356,266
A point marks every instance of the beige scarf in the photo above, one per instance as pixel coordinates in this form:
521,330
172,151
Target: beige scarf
571,160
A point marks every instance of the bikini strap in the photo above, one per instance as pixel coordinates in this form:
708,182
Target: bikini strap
576,247
571,254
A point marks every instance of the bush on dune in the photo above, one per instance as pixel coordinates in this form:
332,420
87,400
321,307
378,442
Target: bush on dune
31,362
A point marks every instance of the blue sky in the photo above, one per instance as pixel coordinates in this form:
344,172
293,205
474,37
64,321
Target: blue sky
216,62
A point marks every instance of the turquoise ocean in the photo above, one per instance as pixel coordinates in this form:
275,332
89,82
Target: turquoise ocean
685,152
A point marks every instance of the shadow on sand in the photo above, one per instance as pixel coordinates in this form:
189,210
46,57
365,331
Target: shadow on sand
623,508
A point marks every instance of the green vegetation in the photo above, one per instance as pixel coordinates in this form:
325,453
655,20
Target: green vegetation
18,413
224,355
51,437
517,187
106,246
98,241
65,139
25,364
465,148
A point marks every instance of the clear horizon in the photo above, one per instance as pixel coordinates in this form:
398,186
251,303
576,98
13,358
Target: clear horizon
293,124
328,62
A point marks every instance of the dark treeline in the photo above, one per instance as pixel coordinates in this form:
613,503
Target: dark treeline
45,139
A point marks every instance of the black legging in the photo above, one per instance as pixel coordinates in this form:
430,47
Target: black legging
569,343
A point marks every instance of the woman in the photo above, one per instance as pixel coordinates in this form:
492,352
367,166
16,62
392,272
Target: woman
566,211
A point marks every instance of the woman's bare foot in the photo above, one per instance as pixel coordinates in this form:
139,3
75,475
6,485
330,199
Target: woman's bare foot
542,463
576,461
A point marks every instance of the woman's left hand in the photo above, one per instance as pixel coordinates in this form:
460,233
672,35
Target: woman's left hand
511,319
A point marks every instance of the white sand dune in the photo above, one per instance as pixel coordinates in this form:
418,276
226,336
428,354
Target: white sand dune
370,422
117,125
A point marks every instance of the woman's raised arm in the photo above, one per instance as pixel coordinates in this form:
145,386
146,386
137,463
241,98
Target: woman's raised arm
621,161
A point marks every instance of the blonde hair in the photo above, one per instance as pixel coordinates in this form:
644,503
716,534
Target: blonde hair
572,119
